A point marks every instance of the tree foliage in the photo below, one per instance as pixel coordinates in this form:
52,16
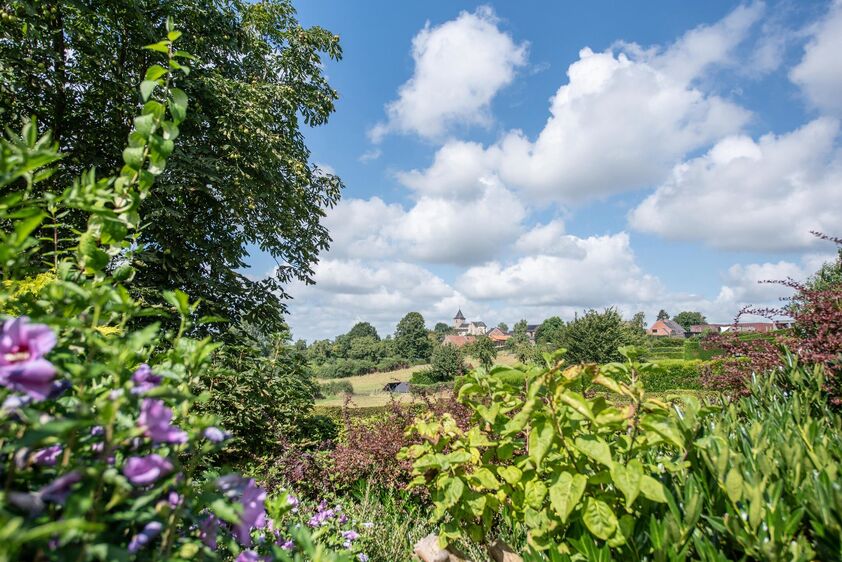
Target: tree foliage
440,330
240,177
595,337
411,339
549,332
688,318
447,363
363,329
484,350
663,315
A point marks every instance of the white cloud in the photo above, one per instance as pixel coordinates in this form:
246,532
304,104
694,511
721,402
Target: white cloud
358,228
745,194
549,239
370,155
459,67
603,273
622,120
349,291
819,74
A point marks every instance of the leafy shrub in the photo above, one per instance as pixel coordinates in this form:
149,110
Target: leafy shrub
392,364
423,377
673,374
447,363
335,388
104,448
662,342
583,471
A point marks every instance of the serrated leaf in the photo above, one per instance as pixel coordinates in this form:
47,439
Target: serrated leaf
566,493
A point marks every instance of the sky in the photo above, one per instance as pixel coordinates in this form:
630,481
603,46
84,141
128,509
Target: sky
533,159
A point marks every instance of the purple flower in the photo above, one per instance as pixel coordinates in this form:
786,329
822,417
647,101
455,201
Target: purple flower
58,490
22,366
144,379
48,456
286,544
250,556
58,388
207,531
362,557
350,535
343,519
293,502
174,499
146,470
215,434
155,420
149,532
321,516
97,430
254,512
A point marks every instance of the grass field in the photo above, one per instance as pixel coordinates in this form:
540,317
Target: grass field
368,389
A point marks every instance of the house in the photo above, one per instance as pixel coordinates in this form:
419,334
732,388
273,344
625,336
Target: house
666,328
531,329
458,341
463,328
741,327
498,336
397,386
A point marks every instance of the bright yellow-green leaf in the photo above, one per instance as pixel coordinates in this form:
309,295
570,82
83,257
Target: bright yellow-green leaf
566,493
599,518
652,489
595,448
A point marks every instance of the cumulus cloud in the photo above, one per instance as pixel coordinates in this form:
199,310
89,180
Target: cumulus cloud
459,67
622,120
380,292
745,194
819,74
604,272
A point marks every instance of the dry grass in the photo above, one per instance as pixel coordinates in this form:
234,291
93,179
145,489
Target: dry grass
368,389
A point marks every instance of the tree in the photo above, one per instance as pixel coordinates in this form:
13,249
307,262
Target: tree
411,340
503,327
440,330
688,318
484,350
549,331
663,315
361,330
447,363
240,175
519,343
367,348
594,337
635,330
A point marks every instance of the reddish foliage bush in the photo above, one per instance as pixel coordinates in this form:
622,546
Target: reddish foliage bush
816,337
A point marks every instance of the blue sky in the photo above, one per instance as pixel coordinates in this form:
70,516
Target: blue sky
534,159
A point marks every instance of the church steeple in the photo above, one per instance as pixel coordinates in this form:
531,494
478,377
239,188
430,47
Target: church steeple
459,319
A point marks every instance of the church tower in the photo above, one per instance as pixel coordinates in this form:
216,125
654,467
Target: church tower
458,320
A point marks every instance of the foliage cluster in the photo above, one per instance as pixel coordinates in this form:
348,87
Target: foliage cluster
751,479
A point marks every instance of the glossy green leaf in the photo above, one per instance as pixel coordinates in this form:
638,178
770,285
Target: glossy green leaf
566,493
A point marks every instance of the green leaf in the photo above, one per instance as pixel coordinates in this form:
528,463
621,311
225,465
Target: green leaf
540,439
595,448
652,489
146,89
144,125
627,479
599,518
160,46
25,226
566,493
173,35
510,474
663,427
178,105
453,491
133,157
578,402
486,479
155,71
534,493
734,484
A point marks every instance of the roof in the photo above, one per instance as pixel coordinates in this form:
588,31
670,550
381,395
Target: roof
480,323
674,326
501,336
459,315
458,341
532,327
397,386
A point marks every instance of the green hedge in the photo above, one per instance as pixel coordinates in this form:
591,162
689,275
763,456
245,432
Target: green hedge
335,388
662,341
674,374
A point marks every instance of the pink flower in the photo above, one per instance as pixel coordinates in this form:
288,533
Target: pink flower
144,379
146,470
22,364
155,420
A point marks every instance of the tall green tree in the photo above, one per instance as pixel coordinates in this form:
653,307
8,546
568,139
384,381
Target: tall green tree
503,327
519,343
447,363
688,318
663,315
483,350
362,330
240,178
595,337
440,330
411,341
549,332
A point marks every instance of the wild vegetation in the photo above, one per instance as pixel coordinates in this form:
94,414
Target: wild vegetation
154,406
